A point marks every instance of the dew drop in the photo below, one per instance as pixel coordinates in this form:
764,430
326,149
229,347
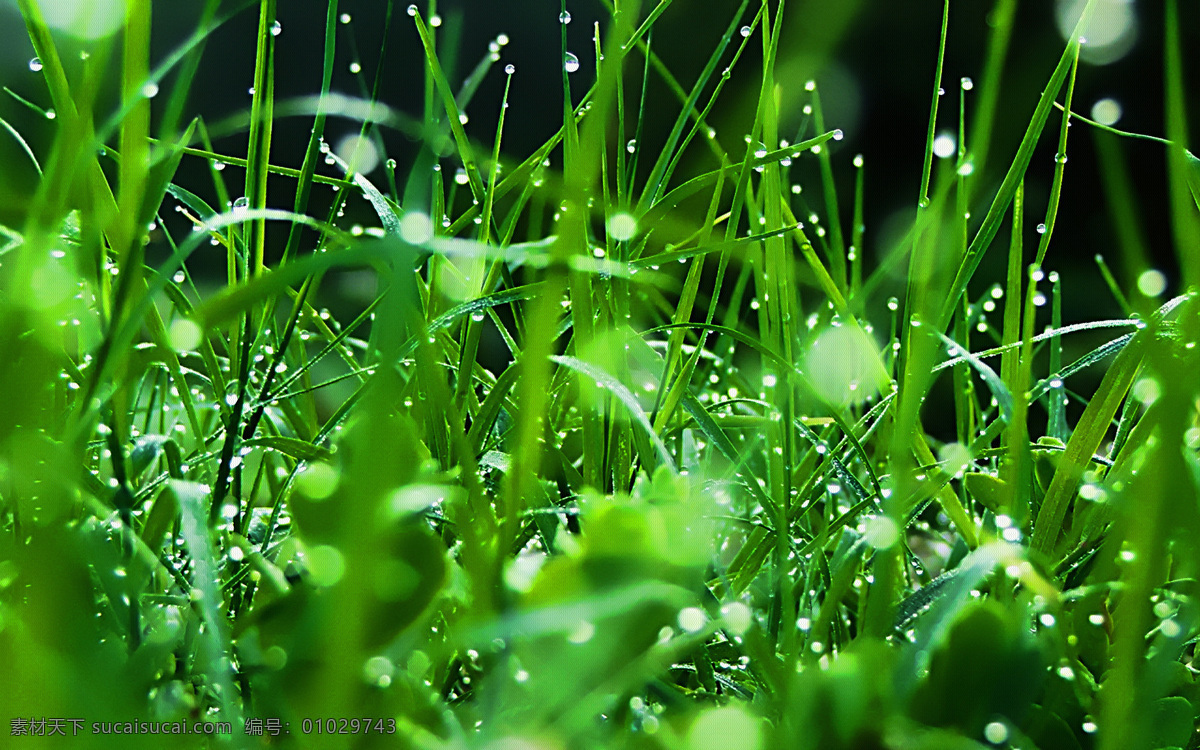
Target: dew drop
36,65
944,145
692,619
858,160
631,146
1152,283
564,17
1106,111
966,83
570,62
355,67
881,532
745,32
838,135
345,17
276,28
737,616
510,69
412,10
996,733
622,226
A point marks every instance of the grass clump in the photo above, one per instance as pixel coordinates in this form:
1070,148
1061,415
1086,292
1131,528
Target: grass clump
627,442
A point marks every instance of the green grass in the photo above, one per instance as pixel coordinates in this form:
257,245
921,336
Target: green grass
709,493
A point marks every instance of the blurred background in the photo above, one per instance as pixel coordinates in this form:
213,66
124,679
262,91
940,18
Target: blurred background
873,61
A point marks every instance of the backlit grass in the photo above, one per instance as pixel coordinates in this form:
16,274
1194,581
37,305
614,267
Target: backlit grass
637,438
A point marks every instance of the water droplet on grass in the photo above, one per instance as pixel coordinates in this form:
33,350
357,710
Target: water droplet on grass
345,17
966,83
944,145
1106,111
1146,390
416,228
184,335
276,28
745,32
692,619
570,62
622,226
737,617
1041,228
150,90
1152,283
881,532
510,69
564,17
36,65
355,67
996,733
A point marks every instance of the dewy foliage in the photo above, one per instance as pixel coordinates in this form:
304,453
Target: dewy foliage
696,501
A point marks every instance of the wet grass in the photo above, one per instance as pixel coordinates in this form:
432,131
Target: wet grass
700,498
